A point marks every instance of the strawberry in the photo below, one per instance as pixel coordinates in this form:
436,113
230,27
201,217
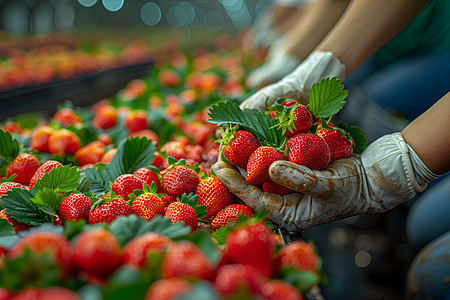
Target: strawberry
109,211
97,251
169,77
90,154
340,145
214,195
58,293
259,163
42,242
108,156
4,294
303,118
158,159
75,207
12,127
309,150
236,279
40,137
44,169
275,188
8,186
136,121
17,226
105,139
240,148
167,199
125,184
67,117
229,215
135,251
147,133
168,289
105,117
178,211
175,149
186,260
179,180
148,176
25,165
147,206
280,290
63,142
252,245
300,255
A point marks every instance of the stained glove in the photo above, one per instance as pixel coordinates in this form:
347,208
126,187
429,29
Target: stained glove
386,174
298,83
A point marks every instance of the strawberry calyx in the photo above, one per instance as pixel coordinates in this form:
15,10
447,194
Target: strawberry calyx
285,114
173,162
327,124
191,199
146,189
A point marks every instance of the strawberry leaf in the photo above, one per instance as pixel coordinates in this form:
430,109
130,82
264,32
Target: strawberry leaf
192,201
359,139
257,122
302,280
203,240
48,201
9,179
327,97
6,228
60,179
9,147
221,234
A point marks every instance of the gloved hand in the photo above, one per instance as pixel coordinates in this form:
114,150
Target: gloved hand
298,83
386,174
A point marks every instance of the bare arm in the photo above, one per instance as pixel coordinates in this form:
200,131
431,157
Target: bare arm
429,136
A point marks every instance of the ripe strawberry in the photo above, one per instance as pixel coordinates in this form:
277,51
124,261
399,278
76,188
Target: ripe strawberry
25,165
280,290
300,255
67,117
340,146
4,293
275,188
175,149
259,163
136,121
214,195
97,251
168,289
309,150
237,279
17,226
179,180
8,186
147,133
147,206
169,77
186,260
44,169
75,207
58,293
109,211
229,215
167,199
43,242
241,147
303,121
125,184
105,139
12,127
178,211
40,137
252,245
91,153
135,251
105,117
158,159
63,142
108,156
148,176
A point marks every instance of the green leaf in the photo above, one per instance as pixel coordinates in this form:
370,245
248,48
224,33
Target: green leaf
18,206
359,138
327,97
48,201
6,228
221,234
86,134
128,283
9,147
9,179
302,280
257,122
192,201
203,240
60,179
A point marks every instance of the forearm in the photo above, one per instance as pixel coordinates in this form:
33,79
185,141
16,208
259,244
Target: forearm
429,136
366,26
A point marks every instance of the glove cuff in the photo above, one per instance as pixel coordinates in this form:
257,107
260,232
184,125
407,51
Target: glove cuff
423,174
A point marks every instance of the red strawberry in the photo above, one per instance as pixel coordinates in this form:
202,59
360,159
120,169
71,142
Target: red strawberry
105,139
97,251
147,133
4,294
186,260
17,226
252,245
158,159
75,207
236,279
40,137
90,154
179,180
169,77
43,242
67,117
148,176
125,184
300,255
25,165
108,156
241,147
340,146
136,121
309,150
175,149
8,186
259,163
178,211
135,251
280,290
229,215
303,121
109,211
63,142
167,199
147,206
275,188
105,117
44,169
58,293
214,195
168,289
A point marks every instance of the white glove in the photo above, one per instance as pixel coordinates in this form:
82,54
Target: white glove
278,64
263,33
298,83
386,174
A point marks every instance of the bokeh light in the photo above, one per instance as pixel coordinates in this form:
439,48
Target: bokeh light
151,13
214,21
113,5
87,3
199,18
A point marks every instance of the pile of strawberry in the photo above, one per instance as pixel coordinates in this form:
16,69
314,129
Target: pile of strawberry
287,130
